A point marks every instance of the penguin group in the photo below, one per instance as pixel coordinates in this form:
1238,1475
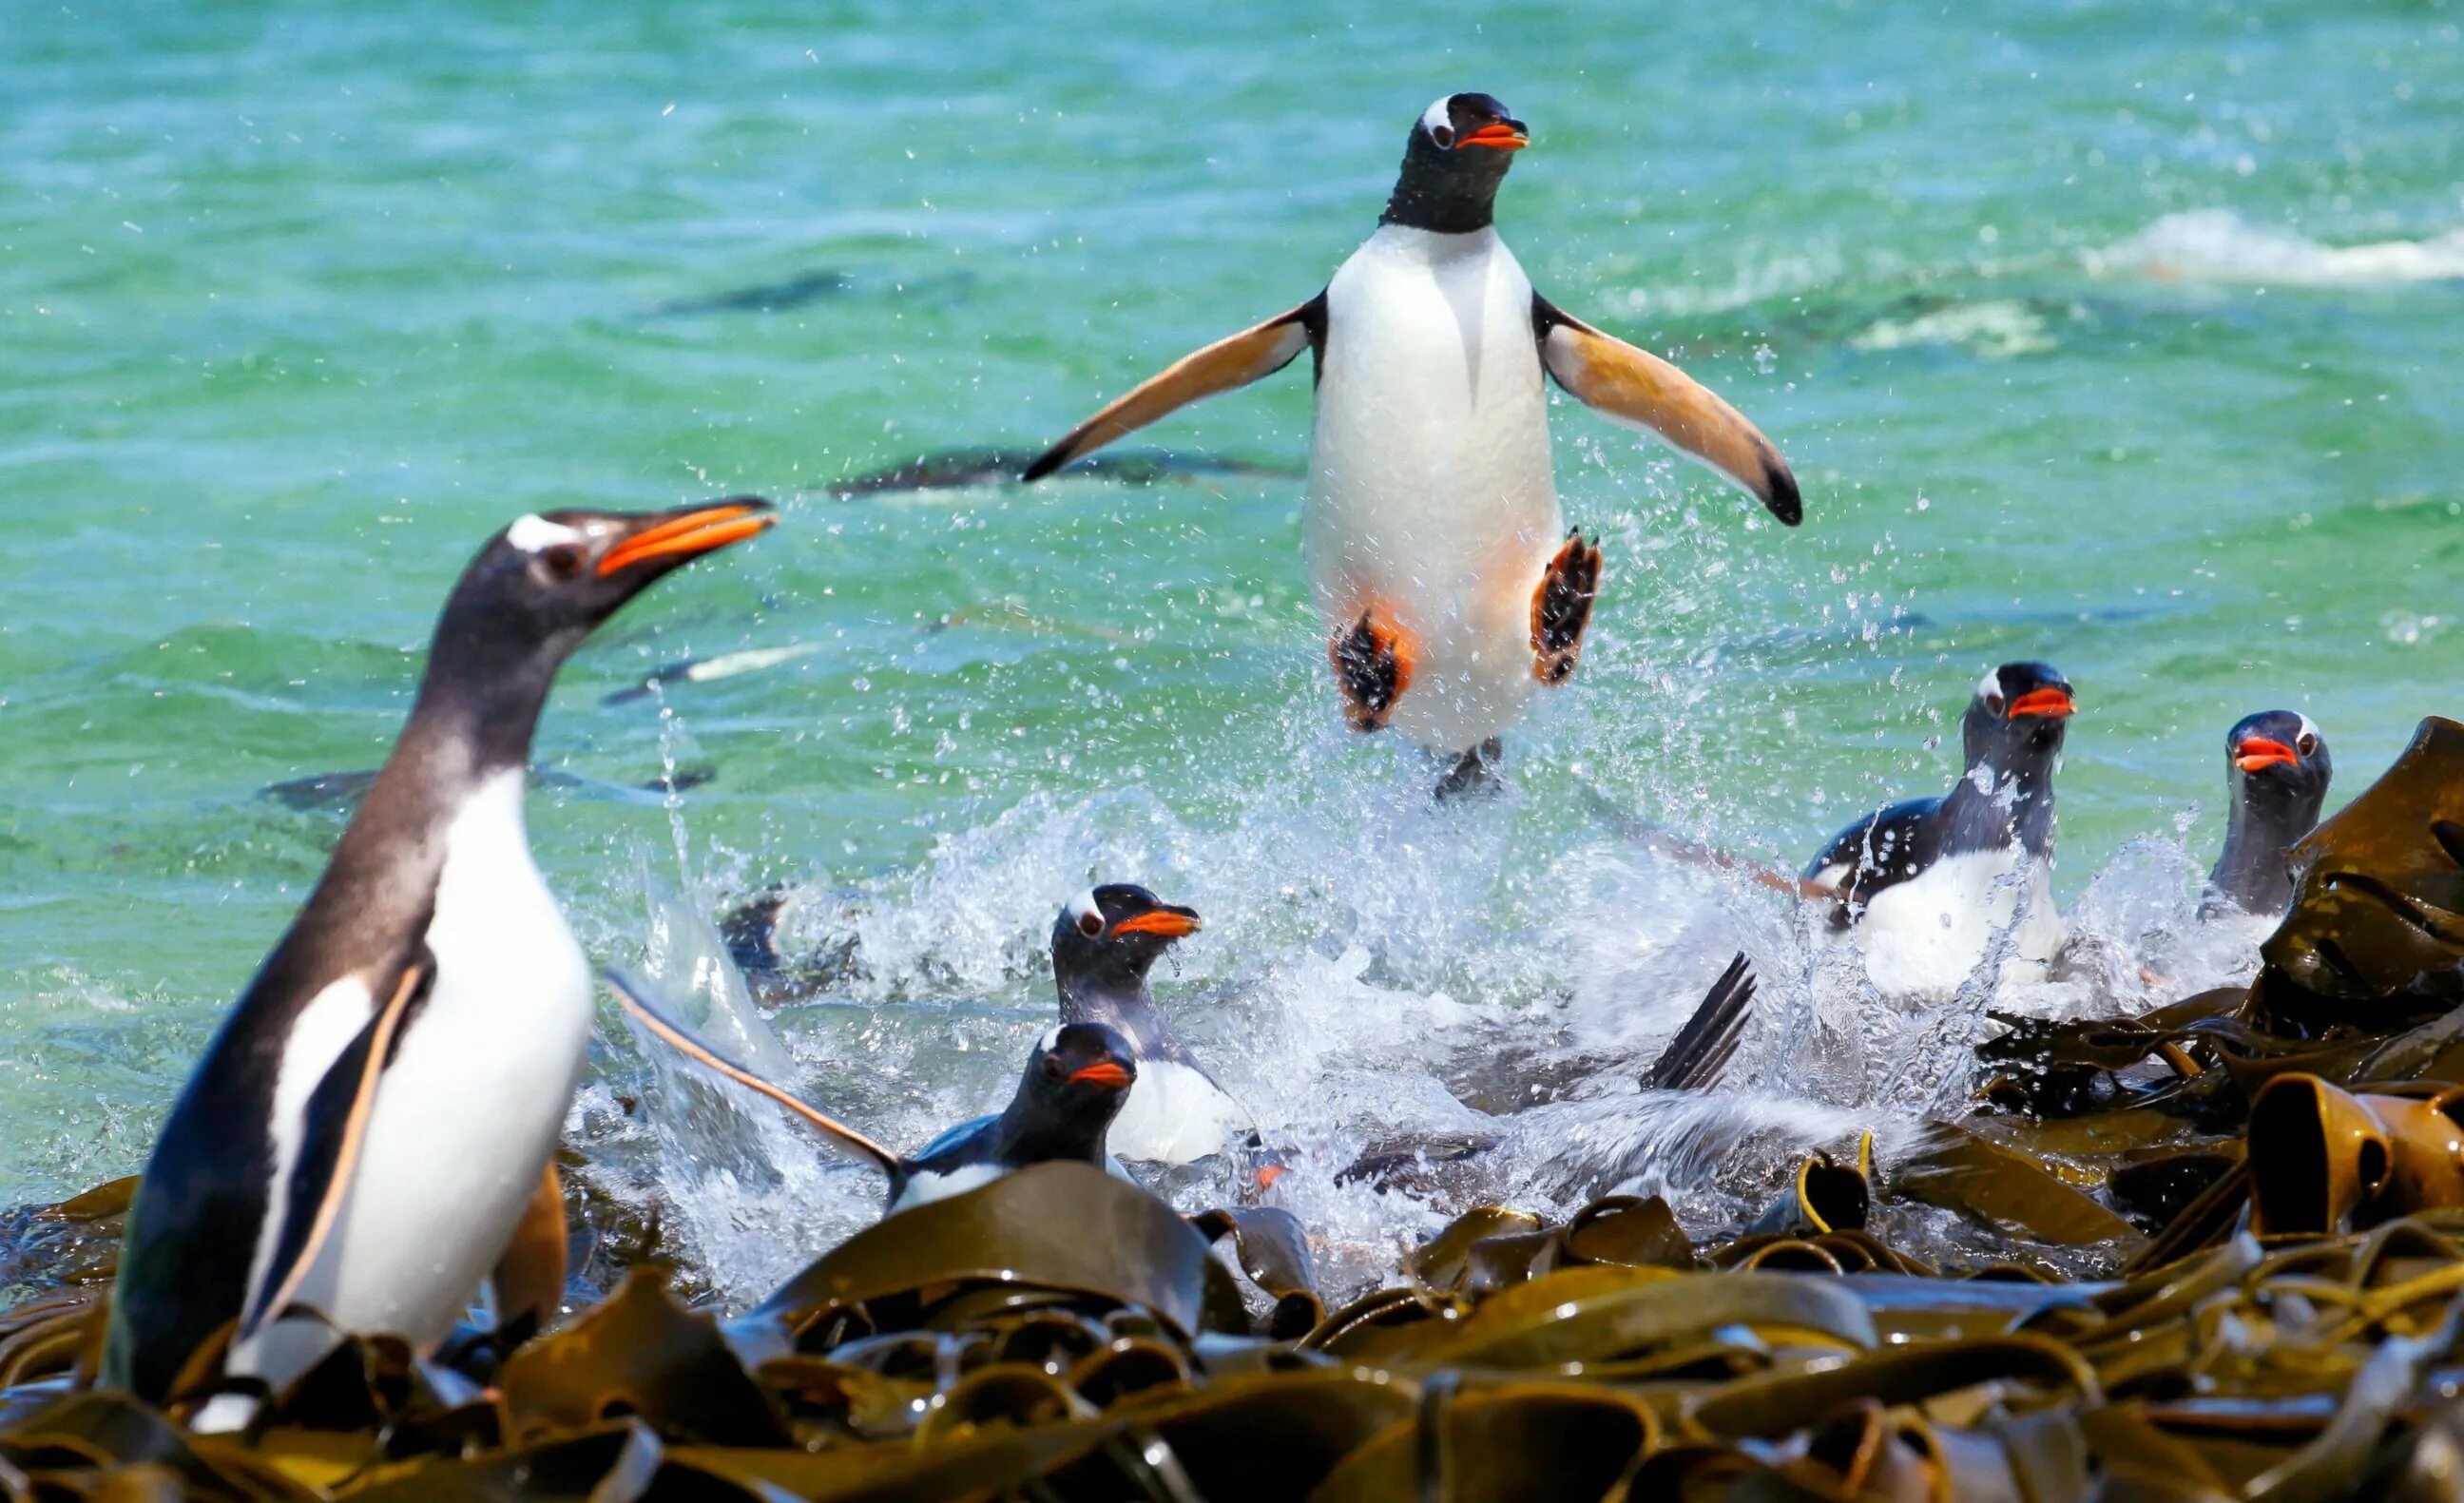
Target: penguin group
368,1141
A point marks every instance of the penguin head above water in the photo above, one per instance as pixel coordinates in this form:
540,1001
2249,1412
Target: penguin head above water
1457,154
1108,938
1074,1085
2014,725
2278,764
542,585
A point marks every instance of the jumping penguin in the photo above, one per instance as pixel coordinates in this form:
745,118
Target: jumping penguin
1927,883
1075,1080
1436,552
375,1120
1104,944
2277,766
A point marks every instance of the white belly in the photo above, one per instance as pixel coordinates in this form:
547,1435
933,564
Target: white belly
922,1190
469,1113
1175,1114
1926,935
1430,497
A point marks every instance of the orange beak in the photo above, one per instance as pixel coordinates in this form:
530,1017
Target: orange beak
1111,1074
2260,752
1173,923
1501,135
690,535
2047,701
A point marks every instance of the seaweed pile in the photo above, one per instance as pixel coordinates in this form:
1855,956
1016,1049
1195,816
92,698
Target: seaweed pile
2269,1182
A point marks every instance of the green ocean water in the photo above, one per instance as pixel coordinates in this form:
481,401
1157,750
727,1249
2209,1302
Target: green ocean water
2121,336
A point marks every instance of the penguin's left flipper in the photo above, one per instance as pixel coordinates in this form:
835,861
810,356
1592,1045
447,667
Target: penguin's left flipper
332,1128
1636,387
1561,607
1236,361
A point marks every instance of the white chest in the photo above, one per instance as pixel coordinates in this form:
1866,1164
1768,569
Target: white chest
1926,934
1175,1114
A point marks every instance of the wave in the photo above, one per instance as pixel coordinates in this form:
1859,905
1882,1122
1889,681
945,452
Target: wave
2216,245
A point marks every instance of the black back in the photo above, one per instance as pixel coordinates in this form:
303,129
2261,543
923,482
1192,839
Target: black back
2275,801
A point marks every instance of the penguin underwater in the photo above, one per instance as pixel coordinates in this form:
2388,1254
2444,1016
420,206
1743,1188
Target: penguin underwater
1434,547
1075,1080
1104,944
1926,883
372,1123
2277,766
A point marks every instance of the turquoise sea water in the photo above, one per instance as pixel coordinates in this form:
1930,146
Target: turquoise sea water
2124,336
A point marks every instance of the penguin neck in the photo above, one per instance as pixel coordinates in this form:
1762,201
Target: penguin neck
2264,824
1996,807
1030,1135
1118,997
1443,197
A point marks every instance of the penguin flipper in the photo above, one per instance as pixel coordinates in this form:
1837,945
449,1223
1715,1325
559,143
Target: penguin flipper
1632,386
1561,608
1236,361
1695,1058
529,1279
335,1126
641,1009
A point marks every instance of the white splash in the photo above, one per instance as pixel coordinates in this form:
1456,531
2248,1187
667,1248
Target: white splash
2216,245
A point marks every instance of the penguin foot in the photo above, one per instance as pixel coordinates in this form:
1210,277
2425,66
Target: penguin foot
1478,772
1372,667
1561,607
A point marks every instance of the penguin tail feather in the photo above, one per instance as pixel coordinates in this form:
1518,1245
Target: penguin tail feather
638,1005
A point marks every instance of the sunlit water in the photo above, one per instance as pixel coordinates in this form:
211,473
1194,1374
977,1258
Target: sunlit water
2119,338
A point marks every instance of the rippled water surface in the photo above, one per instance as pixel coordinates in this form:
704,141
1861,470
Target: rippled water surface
2125,337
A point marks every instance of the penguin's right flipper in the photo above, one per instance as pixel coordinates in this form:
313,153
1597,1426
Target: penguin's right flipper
1561,608
1372,667
1236,361
1694,1060
332,1128
1632,386
638,1005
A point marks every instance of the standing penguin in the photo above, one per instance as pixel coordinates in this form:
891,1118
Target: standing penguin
1434,547
1927,883
2277,765
1076,1078
370,1126
1103,945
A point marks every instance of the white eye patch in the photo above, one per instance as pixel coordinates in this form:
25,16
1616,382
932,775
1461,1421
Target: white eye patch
1084,913
1437,117
1989,687
2307,729
535,534
1051,1037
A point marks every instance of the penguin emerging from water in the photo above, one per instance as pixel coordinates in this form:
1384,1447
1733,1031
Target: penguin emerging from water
2277,766
1927,883
1104,944
375,1120
1076,1078
1439,565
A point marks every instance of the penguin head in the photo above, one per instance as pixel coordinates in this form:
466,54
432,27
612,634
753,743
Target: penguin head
1077,1078
1457,154
1108,938
2014,725
2278,761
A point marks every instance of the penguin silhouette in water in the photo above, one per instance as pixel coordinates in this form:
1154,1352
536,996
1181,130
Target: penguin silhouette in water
1927,884
2277,768
1447,580
1075,1080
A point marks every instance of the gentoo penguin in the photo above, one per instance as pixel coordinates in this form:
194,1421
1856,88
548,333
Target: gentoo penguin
366,1130
2277,765
1103,945
1927,883
1076,1078
1446,579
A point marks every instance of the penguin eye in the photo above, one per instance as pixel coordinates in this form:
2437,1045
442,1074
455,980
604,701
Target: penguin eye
1995,702
1090,925
563,561
1443,136
2307,745
1052,1066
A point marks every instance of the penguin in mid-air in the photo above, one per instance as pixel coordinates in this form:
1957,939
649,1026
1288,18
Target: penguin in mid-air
1447,581
1104,944
2277,765
375,1120
1925,884
1076,1078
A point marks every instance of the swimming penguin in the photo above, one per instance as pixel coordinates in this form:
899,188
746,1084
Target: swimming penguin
1076,1078
1927,883
366,1130
1442,569
2277,765
1103,945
